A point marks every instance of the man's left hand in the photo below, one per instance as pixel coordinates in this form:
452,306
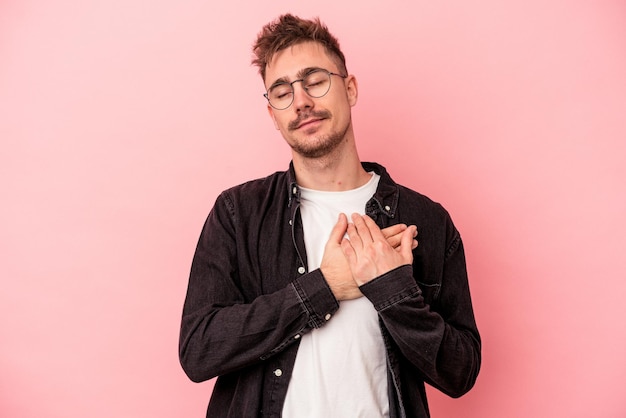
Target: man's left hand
369,252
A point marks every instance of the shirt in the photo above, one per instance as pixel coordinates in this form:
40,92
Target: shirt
341,368
251,297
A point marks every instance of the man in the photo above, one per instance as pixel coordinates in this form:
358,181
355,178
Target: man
308,294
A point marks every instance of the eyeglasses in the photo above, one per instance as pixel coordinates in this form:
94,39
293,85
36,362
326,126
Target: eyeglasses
316,84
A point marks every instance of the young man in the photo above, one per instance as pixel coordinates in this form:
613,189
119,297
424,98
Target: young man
308,294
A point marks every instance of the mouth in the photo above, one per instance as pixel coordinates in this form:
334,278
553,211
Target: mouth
308,122
309,119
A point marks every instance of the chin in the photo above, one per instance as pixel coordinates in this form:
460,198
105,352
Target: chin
323,147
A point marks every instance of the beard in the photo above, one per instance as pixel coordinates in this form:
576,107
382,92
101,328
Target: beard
318,146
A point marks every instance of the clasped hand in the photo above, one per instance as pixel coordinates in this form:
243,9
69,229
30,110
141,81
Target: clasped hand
360,251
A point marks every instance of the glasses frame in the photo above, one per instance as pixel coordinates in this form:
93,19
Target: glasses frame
293,91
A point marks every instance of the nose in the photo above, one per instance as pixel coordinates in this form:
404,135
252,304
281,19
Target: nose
301,99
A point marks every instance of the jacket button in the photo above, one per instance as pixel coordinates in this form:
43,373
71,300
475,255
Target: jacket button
278,373
301,270
387,208
296,337
327,317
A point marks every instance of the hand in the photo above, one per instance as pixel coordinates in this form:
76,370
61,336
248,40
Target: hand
334,265
393,234
368,251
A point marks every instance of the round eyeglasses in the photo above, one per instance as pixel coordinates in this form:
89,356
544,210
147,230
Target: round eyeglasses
316,84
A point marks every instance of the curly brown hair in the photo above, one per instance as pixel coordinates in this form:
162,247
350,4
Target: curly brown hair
288,30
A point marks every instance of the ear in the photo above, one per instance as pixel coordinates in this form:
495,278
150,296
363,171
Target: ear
352,89
270,110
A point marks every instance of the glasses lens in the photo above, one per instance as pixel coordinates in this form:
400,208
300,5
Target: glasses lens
317,83
280,95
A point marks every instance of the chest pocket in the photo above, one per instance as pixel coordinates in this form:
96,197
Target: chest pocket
430,292
426,280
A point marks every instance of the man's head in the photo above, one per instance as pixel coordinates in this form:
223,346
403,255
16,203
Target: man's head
289,30
309,92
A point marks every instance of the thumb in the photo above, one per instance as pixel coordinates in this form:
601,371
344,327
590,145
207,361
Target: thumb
339,230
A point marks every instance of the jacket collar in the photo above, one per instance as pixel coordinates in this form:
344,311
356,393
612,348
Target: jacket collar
385,198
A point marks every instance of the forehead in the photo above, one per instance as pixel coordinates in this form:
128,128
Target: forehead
286,63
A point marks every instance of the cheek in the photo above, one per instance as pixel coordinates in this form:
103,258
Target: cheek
343,109
281,123
276,119
344,103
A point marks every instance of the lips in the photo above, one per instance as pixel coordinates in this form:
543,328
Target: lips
308,122
308,118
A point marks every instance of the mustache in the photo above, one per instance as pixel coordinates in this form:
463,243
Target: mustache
319,114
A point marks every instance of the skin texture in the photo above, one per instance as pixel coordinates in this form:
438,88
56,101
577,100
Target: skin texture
346,264
369,253
320,134
318,130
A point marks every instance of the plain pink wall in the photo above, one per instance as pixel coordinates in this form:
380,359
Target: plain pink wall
121,121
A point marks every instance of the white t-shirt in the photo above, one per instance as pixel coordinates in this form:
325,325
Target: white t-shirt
340,369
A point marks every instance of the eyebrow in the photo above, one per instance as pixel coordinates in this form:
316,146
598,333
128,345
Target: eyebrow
299,75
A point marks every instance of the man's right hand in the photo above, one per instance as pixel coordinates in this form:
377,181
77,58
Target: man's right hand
335,267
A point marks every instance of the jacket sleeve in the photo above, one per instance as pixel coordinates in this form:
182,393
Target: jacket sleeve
226,327
442,343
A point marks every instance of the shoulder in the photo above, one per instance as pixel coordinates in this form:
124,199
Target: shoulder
431,217
256,191
416,204
408,196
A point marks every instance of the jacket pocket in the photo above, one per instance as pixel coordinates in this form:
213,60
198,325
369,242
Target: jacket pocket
430,292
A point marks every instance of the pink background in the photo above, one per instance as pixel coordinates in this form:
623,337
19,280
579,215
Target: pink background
121,121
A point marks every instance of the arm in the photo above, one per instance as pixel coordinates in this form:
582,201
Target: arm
443,345
227,325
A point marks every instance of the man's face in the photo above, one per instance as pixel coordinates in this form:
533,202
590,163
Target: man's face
313,127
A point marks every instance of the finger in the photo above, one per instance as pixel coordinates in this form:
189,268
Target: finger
398,248
393,230
406,245
373,229
338,231
354,237
348,251
393,234
395,240
362,228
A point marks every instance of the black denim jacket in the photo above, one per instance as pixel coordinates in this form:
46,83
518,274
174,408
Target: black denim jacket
250,298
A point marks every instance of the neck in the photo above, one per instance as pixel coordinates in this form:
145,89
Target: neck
336,172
